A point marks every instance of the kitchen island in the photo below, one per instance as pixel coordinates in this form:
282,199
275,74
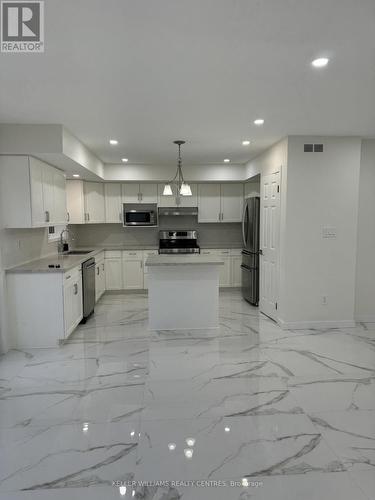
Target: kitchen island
183,291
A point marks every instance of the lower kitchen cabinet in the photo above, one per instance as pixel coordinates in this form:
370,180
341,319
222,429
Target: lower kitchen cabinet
236,261
113,273
230,272
44,307
73,306
99,276
132,270
146,255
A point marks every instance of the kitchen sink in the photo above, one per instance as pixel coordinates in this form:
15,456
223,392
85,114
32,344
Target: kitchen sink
78,252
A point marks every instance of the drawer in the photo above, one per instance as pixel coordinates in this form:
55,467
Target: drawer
72,275
132,255
207,251
113,254
223,252
147,253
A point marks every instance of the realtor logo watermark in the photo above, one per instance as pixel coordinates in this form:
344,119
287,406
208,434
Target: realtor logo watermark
22,26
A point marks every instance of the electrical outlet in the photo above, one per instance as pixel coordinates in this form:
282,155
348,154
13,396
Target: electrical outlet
324,300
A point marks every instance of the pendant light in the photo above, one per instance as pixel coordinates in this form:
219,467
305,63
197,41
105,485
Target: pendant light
183,188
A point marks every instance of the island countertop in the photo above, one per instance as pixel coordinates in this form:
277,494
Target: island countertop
183,260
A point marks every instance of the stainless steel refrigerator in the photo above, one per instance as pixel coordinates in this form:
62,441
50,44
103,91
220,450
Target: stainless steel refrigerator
250,252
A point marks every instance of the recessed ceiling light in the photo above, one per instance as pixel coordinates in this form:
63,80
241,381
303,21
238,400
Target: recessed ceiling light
113,142
227,160
259,121
320,62
245,143
75,175
124,160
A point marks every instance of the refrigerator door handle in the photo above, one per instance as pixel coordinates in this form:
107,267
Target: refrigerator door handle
243,224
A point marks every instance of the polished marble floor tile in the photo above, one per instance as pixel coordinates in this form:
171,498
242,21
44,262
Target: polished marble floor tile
248,402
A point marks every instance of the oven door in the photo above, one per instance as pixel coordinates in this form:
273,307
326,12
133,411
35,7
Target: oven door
139,218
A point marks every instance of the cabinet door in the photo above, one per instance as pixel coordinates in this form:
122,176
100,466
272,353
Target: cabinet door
77,299
133,273
48,193
231,202
236,270
75,202
130,193
225,274
68,307
113,205
190,201
167,201
38,216
94,202
149,193
209,203
113,274
59,198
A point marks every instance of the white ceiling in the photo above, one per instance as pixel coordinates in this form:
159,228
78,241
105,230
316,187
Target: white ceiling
148,72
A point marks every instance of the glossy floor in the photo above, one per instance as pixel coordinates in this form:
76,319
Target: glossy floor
249,411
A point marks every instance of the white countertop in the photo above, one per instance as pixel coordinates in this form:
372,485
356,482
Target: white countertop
184,260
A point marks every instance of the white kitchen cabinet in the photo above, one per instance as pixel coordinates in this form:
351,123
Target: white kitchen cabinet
32,193
75,201
99,276
190,201
209,207
73,306
225,270
140,193
167,201
230,272
60,215
94,202
113,270
236,261
113,202
132,270
232,202
44,307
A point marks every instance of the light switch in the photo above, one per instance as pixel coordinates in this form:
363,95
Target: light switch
329,232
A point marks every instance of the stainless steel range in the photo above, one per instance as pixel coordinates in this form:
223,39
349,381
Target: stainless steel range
178,242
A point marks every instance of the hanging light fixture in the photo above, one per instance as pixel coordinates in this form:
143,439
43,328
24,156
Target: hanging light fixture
183,188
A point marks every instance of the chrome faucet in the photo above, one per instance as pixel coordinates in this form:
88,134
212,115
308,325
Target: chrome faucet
62,242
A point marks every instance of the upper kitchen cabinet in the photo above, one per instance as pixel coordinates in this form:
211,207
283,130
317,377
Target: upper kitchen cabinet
113,203
220,202
209,207
33,193
139,193
190,201
75,200
231,202
94,202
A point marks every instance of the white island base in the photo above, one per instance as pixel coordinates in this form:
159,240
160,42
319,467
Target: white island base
183,292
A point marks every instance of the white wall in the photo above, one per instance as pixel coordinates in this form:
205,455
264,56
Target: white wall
322,190
268,162
161,173
365,282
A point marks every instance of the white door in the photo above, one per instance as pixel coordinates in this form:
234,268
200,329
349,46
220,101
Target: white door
190,201
209,203
269,243
36,183
113,205
75,202
94,202
236,262
133,274
113,274
130,193
148,193
231,202
48,193
59,186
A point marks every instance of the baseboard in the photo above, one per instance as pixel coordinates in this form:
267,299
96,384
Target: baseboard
368,318
318,325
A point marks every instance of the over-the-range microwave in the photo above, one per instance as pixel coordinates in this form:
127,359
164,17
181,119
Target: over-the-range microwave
138,214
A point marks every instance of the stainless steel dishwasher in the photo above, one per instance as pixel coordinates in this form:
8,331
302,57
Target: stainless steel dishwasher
88,287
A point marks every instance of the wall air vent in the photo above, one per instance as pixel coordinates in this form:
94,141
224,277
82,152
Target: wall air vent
313,148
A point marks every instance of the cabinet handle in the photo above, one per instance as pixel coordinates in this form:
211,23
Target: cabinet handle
97,270
75,289
88,216
141,264
103,267
68,217
47,215
219,216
